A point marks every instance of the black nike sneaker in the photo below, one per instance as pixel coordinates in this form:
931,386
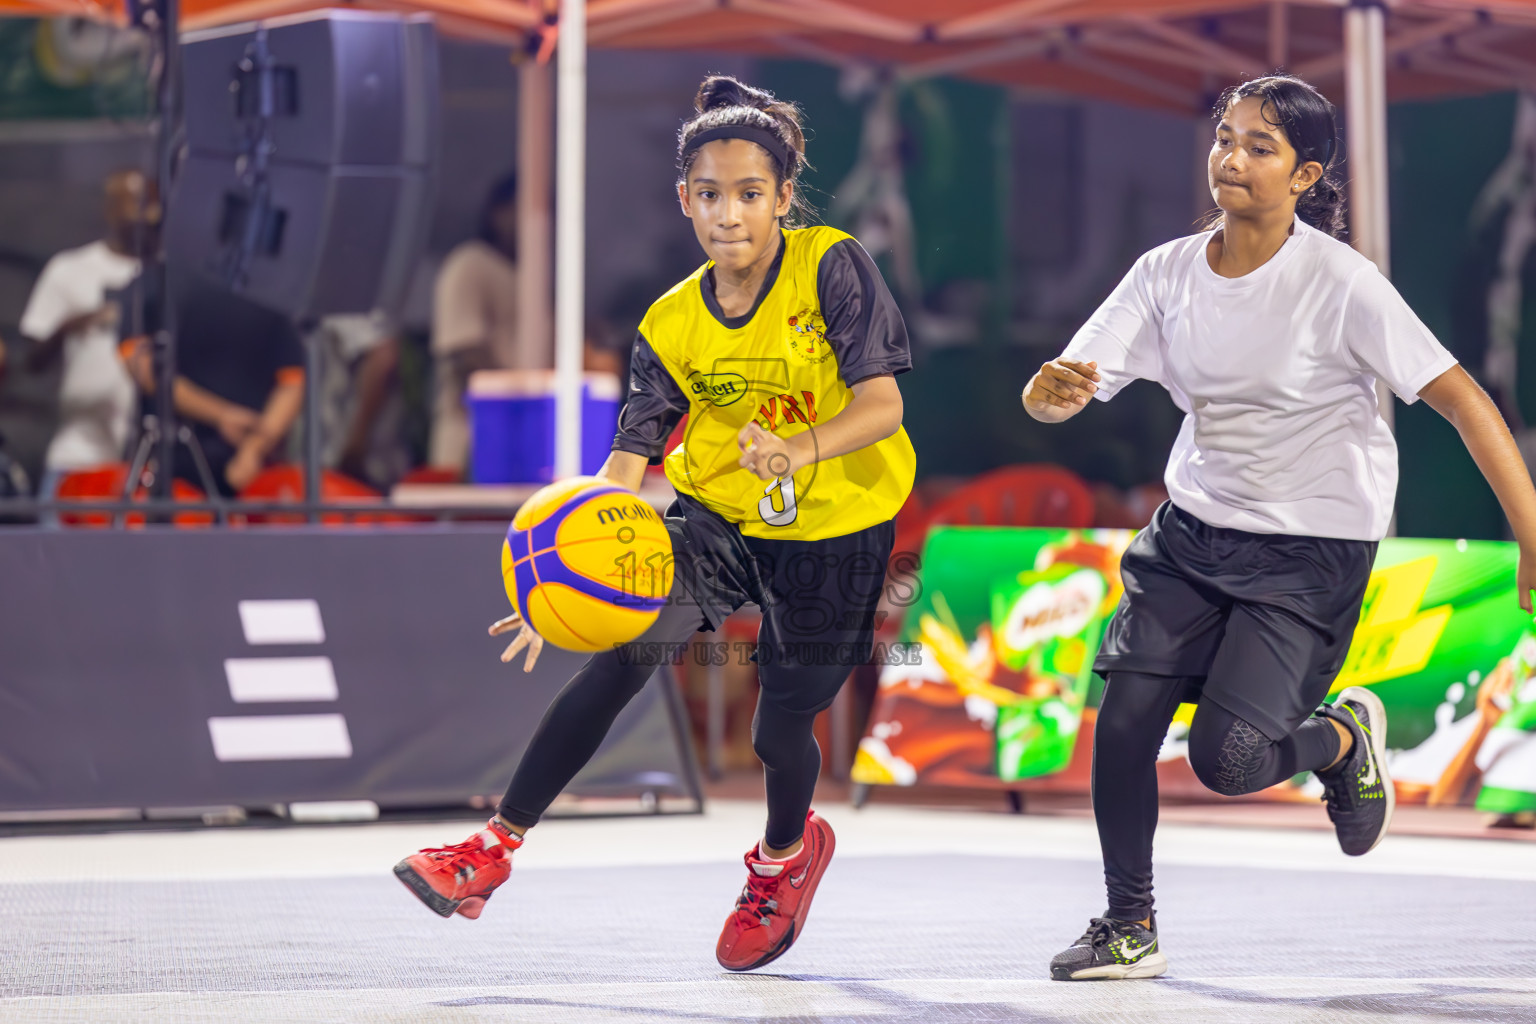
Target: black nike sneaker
1111,950
1358,790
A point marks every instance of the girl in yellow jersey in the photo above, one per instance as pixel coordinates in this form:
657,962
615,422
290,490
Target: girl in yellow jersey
783,352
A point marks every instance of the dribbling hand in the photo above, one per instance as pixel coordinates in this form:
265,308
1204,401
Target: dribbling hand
764,455
526,638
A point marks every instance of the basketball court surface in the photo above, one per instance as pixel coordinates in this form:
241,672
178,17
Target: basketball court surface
924,915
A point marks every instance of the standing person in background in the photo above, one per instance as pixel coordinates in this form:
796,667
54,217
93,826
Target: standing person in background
474,322
72,315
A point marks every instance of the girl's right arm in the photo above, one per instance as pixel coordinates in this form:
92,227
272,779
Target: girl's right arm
1117,345
627,469
1060,390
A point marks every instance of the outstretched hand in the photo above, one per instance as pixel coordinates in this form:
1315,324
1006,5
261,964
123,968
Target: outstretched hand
1061,389
526,637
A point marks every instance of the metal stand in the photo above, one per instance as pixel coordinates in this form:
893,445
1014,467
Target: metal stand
313,445
163,19
714,724
840,724
153,439
677,714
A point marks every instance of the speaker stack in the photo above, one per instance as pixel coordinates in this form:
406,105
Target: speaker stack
310,145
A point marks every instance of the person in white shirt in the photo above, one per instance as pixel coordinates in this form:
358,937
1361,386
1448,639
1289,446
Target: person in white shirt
72,313
474,322
1243,593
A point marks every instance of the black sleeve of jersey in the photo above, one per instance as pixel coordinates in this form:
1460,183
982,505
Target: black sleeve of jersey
864,326
653,407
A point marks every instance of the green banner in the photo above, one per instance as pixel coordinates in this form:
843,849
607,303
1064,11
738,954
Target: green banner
72,68
1009,621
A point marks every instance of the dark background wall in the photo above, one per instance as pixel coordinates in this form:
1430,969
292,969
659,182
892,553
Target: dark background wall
1026,211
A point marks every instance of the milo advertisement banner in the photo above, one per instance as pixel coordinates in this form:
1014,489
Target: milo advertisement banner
1009,621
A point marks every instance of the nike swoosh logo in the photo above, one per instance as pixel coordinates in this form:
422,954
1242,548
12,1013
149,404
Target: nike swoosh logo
1129,953
1370,772
1370,758
797,879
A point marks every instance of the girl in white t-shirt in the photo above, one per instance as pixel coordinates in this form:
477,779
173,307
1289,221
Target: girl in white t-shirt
1243,593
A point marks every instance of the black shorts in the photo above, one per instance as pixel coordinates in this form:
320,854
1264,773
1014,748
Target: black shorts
818,597
1259,623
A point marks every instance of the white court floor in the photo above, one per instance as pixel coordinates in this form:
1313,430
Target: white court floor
925,915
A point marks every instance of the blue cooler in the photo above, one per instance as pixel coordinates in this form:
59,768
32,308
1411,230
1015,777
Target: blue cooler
512,424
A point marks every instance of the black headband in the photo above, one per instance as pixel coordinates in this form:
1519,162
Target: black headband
749,133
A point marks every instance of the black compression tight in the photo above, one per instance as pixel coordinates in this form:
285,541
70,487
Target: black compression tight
1229,754
791,762
585,709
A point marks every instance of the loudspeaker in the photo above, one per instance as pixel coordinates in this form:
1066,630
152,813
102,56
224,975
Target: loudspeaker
311,146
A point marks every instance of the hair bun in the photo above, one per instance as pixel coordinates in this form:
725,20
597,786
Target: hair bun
718,91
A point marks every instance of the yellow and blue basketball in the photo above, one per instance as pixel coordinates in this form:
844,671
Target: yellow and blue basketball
587,564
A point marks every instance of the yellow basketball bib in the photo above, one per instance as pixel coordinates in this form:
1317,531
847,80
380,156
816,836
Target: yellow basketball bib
778,369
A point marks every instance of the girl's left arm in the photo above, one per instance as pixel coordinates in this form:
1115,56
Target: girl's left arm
873,415
1457,397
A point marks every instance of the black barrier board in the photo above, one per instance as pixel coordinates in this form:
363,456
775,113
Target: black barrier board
179,668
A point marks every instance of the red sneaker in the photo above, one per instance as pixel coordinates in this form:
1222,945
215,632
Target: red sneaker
771,910
460,878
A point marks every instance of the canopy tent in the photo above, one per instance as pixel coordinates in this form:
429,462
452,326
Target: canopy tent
1170,54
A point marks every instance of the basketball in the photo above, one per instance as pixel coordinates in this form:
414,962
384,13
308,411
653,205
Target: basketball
587,563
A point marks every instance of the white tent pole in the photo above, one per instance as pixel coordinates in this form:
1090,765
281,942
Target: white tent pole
535,201
1365,91
1279,35
570,228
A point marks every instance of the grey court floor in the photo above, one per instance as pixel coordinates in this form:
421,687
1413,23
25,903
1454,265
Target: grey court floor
908,926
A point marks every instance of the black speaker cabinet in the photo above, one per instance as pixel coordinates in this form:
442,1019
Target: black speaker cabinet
311,144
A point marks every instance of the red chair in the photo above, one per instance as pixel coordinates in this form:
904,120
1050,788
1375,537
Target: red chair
1040,495
285,483
911,524
432,475
108,483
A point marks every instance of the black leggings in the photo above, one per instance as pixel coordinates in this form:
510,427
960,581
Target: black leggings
1228,754
585,709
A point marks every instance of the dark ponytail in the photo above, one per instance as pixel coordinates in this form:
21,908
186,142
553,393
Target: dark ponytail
1310,124
724,102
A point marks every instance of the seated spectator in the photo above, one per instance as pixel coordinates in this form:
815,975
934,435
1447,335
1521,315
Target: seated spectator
239,383
474,322
72,314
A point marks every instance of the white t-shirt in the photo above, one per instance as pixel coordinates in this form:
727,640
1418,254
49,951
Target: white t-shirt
1276,374
96,395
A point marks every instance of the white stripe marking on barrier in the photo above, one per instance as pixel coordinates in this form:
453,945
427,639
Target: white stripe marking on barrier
266,680
279,737
282,622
